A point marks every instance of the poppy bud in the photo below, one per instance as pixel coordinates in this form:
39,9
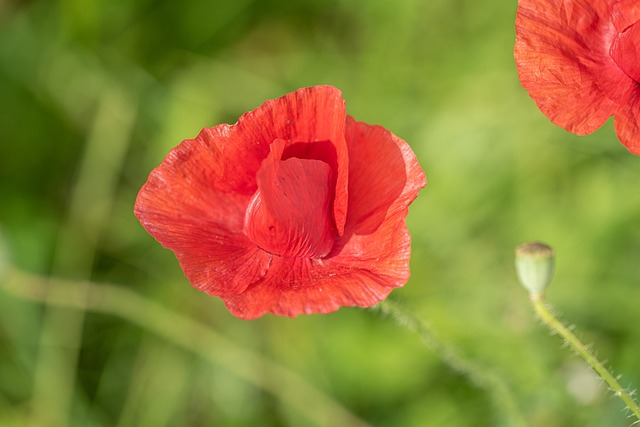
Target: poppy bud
534,266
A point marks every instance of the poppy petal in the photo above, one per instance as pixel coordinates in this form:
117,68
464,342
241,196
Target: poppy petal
309,115
179,206
625,13
627,125
625,51
563,61
376,237
384,174
216,261
183,186
290,213
295,286
371,259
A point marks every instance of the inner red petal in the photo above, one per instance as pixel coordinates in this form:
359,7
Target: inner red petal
625,51
290,214
624,13
320,150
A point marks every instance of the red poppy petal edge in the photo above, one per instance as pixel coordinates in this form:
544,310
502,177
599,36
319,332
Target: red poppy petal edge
627,125
184,186
376,238
384,176
295,286
563,61
182,208
214,259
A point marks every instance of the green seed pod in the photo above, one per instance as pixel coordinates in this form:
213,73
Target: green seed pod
534,266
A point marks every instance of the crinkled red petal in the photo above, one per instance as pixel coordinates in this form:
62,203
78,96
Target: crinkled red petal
214,260
624,13
372,257
376,236
563,61
290,214
181,207
309,115
625,51
384,175
627,124
183,186
295,286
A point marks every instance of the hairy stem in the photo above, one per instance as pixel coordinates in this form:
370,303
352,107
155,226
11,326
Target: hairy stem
537,299
477,375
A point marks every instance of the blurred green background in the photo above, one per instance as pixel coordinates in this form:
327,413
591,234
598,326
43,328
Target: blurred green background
95,93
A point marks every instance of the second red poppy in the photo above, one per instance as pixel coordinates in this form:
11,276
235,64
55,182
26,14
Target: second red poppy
579,61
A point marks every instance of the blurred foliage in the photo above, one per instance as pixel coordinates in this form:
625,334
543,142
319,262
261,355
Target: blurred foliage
94,94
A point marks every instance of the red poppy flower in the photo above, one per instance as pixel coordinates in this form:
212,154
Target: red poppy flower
297,208
580,62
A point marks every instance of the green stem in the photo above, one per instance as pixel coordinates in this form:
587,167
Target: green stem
555,325
477,375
